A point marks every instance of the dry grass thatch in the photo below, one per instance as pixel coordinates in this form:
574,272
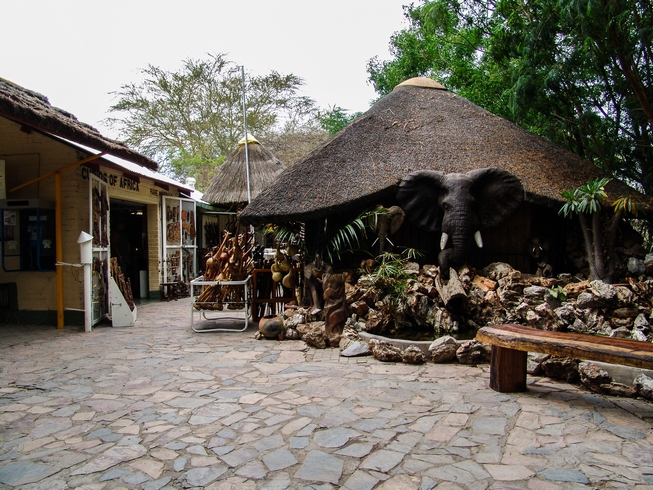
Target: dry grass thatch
229,184
419,126
34,111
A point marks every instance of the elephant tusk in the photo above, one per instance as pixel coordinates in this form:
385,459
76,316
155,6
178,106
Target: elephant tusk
443,241
478,239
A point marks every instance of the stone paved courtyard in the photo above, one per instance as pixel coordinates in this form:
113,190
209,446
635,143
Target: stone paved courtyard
158,406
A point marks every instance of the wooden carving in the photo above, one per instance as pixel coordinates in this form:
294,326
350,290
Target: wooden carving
335,307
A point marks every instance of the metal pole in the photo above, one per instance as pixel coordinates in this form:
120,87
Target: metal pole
58,207
249,190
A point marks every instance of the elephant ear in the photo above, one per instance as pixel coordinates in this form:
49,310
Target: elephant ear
418,196
498,194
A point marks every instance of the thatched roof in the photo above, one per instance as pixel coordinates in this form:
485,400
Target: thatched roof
229,184
419,126
33,110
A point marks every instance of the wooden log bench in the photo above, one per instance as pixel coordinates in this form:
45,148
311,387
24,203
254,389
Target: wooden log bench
512,343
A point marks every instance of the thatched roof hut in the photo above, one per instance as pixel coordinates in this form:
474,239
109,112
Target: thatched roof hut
33,110
229,184
420,125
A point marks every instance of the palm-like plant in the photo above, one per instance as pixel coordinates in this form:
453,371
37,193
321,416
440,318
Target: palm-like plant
586,201
331,243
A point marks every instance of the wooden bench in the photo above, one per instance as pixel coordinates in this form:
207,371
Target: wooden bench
512,343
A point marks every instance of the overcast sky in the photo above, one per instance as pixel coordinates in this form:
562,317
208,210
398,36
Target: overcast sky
76,52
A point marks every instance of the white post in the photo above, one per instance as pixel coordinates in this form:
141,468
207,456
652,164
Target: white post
249,190
86,255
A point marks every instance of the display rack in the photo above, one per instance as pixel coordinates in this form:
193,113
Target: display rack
224,309
179,240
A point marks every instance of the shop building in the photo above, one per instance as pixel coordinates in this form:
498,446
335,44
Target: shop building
61,181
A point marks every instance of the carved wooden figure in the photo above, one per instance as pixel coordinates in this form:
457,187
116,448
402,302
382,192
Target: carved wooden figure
335,307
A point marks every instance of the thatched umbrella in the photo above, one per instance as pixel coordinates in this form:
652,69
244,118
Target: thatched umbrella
229,184
419,126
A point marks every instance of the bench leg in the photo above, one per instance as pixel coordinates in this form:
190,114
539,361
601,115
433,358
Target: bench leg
508,370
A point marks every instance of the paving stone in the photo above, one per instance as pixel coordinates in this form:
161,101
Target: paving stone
490,425
356,450
157,484
114,474
506,472
299,442
239,456
136,478
359,480
279,459
382,460
336,437
319,466
180,464
253,469
201,477
25,472
401,482
564,475
111,457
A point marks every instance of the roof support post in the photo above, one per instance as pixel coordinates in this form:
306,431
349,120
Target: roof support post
58,248
58,206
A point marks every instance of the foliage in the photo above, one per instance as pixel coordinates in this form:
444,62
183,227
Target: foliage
335,119
333,241
585,199
625,204
393,278
600,246
558,293
191,119
577,72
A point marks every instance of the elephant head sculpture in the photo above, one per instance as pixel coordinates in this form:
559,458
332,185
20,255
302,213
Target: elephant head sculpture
460,206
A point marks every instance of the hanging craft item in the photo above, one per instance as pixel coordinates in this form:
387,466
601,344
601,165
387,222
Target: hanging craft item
283,271
100,212
123,284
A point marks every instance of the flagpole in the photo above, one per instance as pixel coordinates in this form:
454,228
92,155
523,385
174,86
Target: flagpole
249,190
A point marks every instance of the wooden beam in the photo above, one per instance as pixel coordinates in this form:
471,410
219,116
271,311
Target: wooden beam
50,174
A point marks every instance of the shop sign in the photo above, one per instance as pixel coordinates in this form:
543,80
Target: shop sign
112,179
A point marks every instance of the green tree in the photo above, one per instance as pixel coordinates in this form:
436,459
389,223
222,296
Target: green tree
335,119
578,72
190,120
586,202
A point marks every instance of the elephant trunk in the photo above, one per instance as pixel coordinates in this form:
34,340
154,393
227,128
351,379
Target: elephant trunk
456,241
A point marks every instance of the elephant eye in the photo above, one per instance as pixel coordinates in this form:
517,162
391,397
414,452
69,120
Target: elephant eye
446,206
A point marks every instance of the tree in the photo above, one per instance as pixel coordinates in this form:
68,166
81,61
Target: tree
586,201
577,72
192,119
335,119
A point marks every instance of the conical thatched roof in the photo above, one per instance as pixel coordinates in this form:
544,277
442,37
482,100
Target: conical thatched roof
33,110
229,184
419,126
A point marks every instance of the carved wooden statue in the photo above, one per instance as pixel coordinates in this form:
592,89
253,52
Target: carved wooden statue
313,274
335,307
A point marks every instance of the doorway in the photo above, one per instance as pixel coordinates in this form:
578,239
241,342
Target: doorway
128,223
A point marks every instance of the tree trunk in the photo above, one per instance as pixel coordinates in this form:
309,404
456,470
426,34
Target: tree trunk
589,249
452,293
